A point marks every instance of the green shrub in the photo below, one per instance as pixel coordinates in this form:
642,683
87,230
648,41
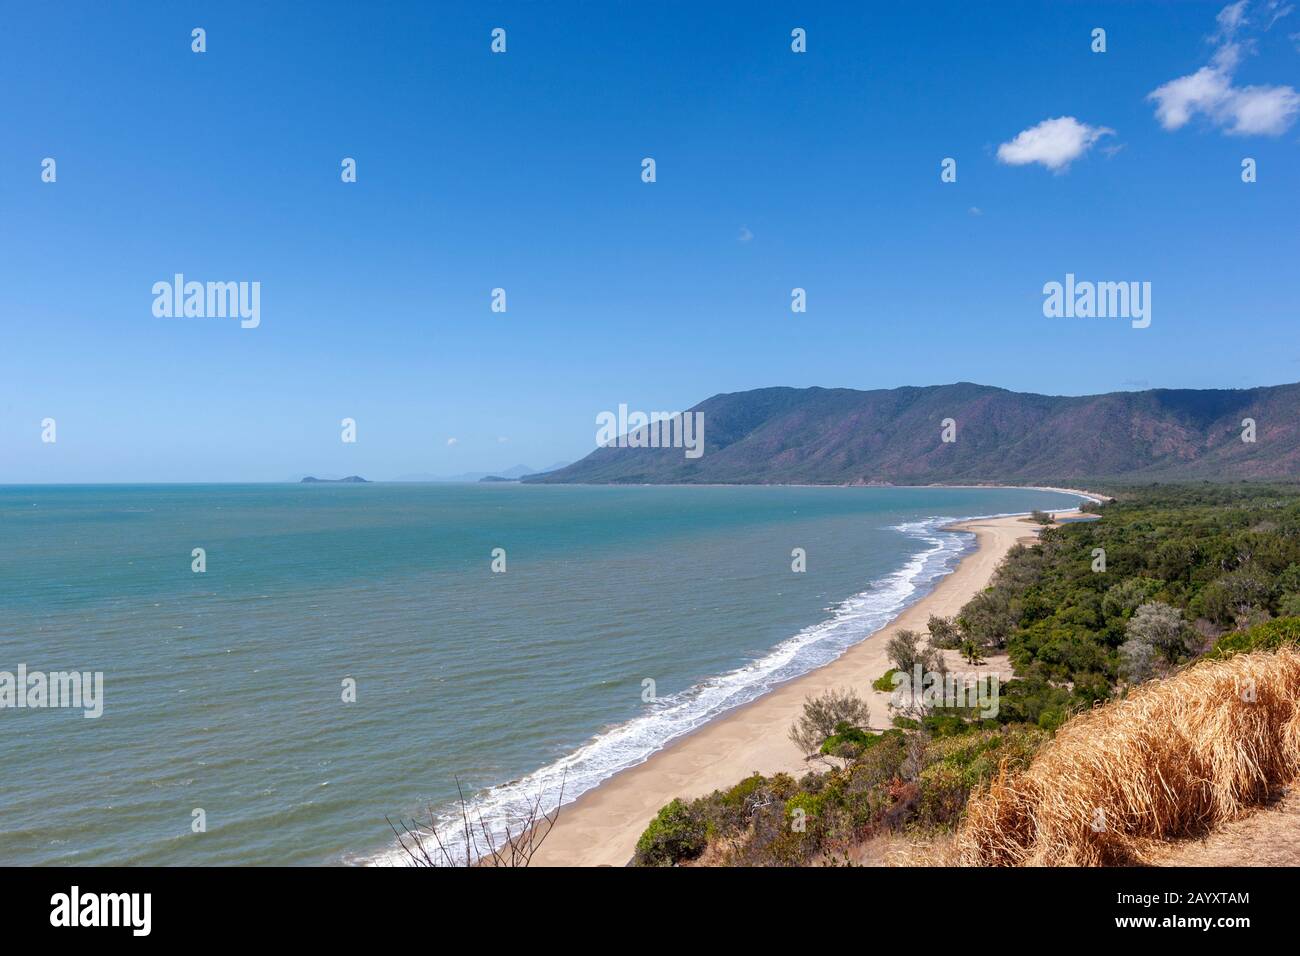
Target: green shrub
1025,700
885,682
1268,636
811,804
880,763
955,766
743,792
676,834
1051,719
978,755
847,741
946,722
943,796
728,813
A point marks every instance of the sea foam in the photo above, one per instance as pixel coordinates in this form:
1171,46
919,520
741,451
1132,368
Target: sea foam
635,741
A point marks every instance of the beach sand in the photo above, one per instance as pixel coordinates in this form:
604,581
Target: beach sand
602,826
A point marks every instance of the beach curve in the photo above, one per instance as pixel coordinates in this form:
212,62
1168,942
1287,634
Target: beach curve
601,827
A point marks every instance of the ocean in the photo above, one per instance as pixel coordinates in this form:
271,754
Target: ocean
223,690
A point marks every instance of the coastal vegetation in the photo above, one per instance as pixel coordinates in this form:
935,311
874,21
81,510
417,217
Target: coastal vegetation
1098,606
898,780
1132,638
827,717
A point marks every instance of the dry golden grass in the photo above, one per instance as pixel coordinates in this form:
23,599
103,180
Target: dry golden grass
901,849
1175,758
1268,837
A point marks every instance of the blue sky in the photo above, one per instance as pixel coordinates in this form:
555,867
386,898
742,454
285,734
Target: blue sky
523,171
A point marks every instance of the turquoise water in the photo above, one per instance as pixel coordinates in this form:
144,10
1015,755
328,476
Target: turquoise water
223,690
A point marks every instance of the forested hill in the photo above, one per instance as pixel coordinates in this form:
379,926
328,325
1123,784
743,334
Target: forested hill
845,436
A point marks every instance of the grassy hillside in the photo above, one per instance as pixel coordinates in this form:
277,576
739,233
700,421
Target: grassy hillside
1175,758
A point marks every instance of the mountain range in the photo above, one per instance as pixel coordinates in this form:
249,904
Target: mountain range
895,436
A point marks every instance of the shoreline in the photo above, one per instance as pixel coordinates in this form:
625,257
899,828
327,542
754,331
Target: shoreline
600,827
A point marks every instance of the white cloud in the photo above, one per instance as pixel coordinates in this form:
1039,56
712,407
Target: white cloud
452,441
1055,143
745,235
976,211
1277,9
1266,110
1228,56
502,440
1211,92
1230,19
1178,100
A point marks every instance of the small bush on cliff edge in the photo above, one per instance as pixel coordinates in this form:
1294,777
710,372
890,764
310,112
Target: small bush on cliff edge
898,780
676,834
1268,636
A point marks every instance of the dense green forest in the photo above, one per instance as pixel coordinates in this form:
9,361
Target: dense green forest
1162,576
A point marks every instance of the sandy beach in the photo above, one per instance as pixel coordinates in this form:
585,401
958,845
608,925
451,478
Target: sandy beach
602,826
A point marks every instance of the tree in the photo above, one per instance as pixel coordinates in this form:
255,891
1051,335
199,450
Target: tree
1127,596
989,617
1177,559
1289,580
944,632
822,715
1236,594
907,653
904,649
1137,661
1160,626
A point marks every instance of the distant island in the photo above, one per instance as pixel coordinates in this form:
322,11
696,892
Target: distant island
967,434
349,480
